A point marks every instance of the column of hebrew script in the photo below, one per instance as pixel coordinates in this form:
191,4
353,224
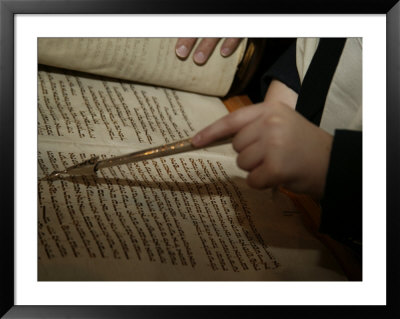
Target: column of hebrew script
98,111
145,60
186,217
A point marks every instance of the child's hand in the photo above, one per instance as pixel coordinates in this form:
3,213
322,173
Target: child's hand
276,145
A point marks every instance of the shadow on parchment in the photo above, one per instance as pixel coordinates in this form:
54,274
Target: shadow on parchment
205,190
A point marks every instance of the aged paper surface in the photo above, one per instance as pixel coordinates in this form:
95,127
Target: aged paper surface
146,60
184,217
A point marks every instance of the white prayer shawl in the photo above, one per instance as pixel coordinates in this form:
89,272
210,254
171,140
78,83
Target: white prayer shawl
343,107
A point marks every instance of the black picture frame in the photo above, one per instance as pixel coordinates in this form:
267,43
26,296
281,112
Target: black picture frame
8,10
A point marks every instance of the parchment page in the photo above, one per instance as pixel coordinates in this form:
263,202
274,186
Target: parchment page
146,60
184,217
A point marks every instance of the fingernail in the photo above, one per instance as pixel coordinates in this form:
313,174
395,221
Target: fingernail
226,51
196,139
199,57
182,51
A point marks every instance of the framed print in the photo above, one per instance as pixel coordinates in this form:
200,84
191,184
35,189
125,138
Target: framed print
28,291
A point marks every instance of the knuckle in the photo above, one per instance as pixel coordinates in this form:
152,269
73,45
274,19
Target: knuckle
236,144
241,162
232,119
275,171
253,181
235,147
273,119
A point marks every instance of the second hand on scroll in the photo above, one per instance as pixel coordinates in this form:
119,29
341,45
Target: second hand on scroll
91,166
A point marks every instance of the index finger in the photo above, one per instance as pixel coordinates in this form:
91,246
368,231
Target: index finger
227,125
